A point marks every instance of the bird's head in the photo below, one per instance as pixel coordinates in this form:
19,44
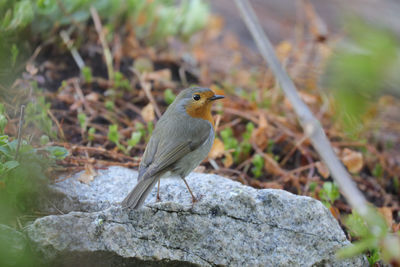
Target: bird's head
197,102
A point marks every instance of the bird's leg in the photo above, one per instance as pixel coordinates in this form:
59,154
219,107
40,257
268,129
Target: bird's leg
190,191
158,199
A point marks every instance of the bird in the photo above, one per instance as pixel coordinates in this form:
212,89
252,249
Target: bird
182,138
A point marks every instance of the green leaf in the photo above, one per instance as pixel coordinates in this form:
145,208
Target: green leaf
258,163
329,192
109,105
87,74
82,120
3,122
57,152
374,257
135,139
14,54
22,14
113,134
91,133
9,165
356,248
195,16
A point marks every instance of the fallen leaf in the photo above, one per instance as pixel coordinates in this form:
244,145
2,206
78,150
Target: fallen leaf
93,96
148,113
228,161
307,98
260,184
271,166
283,50
387,214
260,135
217,149
396,227
353,160
322,169
335,212
88,175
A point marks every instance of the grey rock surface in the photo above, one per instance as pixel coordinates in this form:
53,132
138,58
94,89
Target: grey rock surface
230,225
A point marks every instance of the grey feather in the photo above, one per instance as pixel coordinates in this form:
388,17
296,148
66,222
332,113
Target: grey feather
135,199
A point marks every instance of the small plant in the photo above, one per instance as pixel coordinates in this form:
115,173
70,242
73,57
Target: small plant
150,128
229,140
241,150
134,140
373,257
87,74
82,121
372,234
3,119
311,188
37,116
109,105
23,173
114,137
329,193
91,133
120,81
258,165
245,146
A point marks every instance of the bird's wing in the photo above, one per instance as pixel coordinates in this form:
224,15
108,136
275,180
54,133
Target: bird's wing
159,157
148,156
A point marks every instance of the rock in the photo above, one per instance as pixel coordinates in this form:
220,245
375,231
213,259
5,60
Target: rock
230,225
109,187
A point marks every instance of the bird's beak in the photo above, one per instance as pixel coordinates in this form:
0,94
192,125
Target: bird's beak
215,97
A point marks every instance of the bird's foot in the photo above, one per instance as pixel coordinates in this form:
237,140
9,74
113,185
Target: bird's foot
158,198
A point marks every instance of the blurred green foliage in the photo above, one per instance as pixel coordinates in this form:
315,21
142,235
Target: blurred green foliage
258,165
241,150
114,137
359,71
329,193
169,96
37,116
155,19
87,74
24,21
14,249
23,175
24,171
373,235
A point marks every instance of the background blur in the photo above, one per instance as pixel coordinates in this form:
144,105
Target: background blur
92,77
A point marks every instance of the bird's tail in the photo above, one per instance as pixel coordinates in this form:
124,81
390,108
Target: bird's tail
136,198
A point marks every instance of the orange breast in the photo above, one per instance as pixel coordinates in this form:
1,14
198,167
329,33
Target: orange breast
201,111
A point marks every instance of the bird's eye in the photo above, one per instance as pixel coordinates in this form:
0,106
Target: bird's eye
196,97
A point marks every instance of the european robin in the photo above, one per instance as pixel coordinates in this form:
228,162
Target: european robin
182,138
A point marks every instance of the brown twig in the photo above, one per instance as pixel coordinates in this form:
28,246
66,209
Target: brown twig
147,90
60,130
